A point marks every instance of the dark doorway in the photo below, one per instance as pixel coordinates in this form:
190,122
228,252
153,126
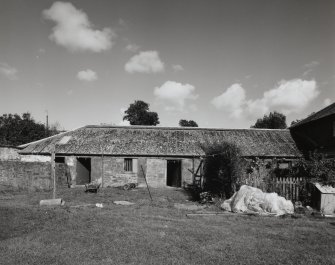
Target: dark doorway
173,174
83,171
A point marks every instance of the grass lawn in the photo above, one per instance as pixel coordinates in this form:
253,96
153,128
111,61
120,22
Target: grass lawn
151,233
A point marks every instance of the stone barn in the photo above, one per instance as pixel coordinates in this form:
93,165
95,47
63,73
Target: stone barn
114,155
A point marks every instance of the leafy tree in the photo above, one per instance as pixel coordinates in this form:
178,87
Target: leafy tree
138,114
16,130
275,120
298,120
295,121
186,123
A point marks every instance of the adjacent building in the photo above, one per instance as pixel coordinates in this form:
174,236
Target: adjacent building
316,133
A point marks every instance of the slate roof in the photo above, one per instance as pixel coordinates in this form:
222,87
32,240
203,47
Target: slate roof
327,111
163,141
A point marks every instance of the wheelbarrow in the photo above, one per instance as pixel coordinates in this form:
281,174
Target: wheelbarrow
92,187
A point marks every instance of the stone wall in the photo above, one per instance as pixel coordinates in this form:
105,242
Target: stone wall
114,175
30,176
156,172
142,168
9,153
61,175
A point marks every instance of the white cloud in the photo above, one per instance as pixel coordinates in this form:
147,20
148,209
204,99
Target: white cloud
145,62
132,47
327,102
87,75
174,95
74,31
177,67
290,96
231,100
8,71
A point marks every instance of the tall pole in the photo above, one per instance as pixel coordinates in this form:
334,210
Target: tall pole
102,170
47,124
53,171
102,163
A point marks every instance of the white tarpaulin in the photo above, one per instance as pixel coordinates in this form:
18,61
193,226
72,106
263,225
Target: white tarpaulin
252,200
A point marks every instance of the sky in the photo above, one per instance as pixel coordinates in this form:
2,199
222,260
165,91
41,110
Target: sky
220,63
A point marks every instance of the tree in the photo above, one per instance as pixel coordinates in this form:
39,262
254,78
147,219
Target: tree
299,120
16,130
186,123
295,121
138,114
275,120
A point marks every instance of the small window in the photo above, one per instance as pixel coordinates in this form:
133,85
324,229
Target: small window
128,164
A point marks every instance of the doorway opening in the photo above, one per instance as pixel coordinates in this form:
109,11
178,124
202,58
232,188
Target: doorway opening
173,173
83,170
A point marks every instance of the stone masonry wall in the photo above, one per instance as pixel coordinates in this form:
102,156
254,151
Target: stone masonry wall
156,173
114,174
9,153
30,176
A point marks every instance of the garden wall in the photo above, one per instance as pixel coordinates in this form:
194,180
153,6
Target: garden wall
9,153
20,175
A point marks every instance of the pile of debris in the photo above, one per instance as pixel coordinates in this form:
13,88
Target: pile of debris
252,200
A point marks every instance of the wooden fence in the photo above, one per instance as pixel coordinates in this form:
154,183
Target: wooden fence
288,187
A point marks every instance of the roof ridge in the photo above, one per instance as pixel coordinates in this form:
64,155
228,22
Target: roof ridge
315,115
180,128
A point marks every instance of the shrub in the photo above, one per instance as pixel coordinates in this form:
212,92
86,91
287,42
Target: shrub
315,169
222,168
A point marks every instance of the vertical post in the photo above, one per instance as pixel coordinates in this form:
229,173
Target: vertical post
193,176
146,182
102,163
53,171
102,170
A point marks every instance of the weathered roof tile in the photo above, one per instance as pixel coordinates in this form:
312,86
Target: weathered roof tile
163,141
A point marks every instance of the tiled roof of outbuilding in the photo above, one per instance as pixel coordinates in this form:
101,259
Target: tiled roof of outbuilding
164,141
